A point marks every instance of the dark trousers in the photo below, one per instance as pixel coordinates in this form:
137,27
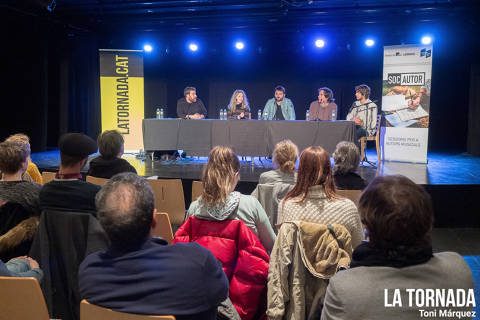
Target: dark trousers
359,132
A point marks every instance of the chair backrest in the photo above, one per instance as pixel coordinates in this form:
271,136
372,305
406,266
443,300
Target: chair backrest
353,195
169,198
90,312
197,189
98,181
48,176
22,299
379,121
163,227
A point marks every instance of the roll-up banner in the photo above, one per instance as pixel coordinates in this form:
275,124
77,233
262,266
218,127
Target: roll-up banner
122,101
407,79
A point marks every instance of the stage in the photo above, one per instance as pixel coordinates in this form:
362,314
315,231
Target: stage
453,180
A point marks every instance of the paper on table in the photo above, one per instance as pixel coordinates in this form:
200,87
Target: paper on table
395,102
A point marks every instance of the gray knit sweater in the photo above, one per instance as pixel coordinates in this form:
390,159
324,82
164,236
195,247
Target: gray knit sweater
22,192
318,208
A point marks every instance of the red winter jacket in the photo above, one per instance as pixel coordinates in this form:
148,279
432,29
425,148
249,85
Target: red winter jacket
244,260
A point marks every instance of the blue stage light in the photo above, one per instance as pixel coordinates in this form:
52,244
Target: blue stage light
426,40
319,43
239,45
193,47
147,48
369,42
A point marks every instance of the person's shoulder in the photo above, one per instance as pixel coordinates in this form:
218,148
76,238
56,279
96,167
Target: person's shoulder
182,100
347,205
249,201
448,260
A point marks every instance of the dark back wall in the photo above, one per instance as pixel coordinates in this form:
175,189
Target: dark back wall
53,84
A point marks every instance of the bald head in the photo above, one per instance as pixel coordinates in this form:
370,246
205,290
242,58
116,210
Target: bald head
125,208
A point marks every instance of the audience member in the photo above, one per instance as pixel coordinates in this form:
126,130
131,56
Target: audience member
32,169
219,202
21,267
347,158
285,155
398,217
314,197
109,162
143,275
13,163
67,191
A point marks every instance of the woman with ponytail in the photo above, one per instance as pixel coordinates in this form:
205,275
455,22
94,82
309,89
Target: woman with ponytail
220,202
285,155
314,197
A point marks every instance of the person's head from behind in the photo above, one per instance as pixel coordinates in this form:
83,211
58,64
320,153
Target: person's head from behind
313,169
346,157
397,213
125,209
14,157
279,93
362,92
285,155
190,94
110,144
74,150
220,176
19,137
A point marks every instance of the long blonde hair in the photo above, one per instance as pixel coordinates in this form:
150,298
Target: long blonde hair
219,175
233,102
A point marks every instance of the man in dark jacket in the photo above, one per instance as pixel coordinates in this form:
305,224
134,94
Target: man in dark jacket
143,275
190,107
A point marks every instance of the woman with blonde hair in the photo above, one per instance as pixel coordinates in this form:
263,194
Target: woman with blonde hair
285,155
238,108
220,202
314,197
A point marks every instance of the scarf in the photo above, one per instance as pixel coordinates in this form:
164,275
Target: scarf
367,255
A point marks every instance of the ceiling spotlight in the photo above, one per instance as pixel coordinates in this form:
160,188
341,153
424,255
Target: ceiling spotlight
239,45
369,42
193,47
426,40
319,43
147,48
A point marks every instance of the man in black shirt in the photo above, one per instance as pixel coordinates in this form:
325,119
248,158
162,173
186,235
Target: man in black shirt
189,107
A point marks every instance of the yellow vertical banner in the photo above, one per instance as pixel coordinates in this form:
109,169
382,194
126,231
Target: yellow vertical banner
121,90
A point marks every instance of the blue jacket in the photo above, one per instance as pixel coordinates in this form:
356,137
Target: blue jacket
287,109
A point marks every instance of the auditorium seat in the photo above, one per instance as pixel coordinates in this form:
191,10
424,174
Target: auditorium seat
90,311
98,181
169,198
163,228
48,176
197,189
22,299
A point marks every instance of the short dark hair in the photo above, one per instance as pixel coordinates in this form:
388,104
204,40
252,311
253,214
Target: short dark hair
187,90
346,157
125,206
67,160
397,213
12,155
363,89
280,88
328,93
110,144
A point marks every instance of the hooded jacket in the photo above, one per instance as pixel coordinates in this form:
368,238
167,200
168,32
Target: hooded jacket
304,257
238,207
244,260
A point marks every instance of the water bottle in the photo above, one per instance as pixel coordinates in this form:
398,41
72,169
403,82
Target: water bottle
265,115
225,114
221,114
307,115
333,115
158,113
259,116
161,113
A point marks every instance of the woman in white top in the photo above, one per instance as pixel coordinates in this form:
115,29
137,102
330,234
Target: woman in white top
314,197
